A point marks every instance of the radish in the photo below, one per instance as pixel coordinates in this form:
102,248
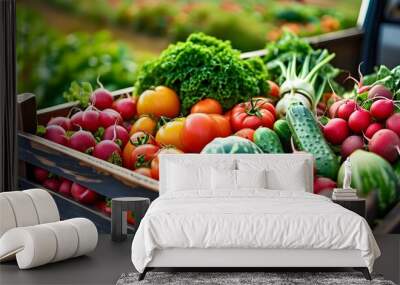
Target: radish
76,120
90,120
40,174
382,109
359,120
83,194
334,108
82,141
65,187
63,122
386,144
336,131
351,144
345,110
126,107
323,184
379,91
127,125
120,132
52,184
393,123
372,129
108,150
56,134
109,117
101,98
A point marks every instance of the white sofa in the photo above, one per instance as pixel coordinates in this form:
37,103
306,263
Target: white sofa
31,231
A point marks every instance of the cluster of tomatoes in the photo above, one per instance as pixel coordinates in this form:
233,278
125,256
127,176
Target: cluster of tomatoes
134,131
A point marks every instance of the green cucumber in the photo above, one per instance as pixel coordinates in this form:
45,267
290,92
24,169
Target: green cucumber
281,128
308,137
267,140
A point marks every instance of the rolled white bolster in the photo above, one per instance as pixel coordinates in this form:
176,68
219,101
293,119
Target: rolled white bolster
87,235
40,244
7,218
23,208
46,208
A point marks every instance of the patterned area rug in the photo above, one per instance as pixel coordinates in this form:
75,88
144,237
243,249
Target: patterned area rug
242,278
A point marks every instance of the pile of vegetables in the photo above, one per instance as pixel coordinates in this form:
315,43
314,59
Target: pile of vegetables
205,67
200,97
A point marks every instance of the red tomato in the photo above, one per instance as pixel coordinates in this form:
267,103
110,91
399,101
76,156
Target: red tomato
246,133
274,90
155,162
199,129
252,115
142,155
144,171
104,206
227,115
208,106
130,218
222,125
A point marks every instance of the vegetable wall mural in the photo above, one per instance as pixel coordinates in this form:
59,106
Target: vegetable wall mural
200,96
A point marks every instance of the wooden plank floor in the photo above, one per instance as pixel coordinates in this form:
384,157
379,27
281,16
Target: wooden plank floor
110,260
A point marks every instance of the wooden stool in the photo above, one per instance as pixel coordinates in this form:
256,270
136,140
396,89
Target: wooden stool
119,208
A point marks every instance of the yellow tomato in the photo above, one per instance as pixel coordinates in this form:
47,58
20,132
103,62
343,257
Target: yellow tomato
146,124
170,133
162,101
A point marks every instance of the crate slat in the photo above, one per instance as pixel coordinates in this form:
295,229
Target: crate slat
102,177
69,209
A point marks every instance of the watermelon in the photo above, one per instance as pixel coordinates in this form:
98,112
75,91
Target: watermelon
231,144
370,172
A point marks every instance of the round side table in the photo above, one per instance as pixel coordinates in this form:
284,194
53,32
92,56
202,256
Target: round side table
119,211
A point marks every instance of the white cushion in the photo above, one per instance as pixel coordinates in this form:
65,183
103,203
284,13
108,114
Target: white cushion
7,218
251,178
223,179
294,182
26,208
188,175
23,208
183,177
66,238
283,172
45,206
40,244
87,235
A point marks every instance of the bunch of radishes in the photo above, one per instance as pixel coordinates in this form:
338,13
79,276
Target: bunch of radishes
100,129
353,126
65,187
78,192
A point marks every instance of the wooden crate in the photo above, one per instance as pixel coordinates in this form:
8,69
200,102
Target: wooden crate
102,177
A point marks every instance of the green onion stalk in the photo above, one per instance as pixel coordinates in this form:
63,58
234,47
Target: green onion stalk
301,87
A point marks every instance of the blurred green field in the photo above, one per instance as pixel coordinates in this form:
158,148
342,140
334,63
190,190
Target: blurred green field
59,41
